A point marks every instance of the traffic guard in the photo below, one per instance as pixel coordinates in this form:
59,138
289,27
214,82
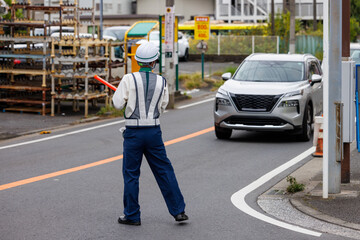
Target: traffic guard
144,95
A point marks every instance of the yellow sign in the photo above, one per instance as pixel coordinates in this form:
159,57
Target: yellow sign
202,28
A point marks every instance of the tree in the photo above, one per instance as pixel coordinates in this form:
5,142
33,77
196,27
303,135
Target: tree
272,17
355,9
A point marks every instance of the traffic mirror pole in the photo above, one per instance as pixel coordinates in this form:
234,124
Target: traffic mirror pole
169,72
345,164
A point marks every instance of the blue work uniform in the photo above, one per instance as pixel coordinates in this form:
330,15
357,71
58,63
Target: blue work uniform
143,137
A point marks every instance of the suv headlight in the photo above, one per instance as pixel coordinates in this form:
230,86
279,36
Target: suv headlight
290,103
221,101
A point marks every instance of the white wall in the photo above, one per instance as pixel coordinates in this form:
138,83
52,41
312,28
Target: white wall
186,8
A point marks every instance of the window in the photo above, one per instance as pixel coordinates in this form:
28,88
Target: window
313,69
98,7
107,7
119,8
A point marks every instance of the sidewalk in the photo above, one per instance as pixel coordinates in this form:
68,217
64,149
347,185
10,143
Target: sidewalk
15,124
341,211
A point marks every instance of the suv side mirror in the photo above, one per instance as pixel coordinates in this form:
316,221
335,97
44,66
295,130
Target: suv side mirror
315,78
226,76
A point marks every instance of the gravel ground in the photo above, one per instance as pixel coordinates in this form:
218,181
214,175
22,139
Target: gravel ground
282,209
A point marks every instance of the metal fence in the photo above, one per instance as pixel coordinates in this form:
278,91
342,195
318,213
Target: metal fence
245,45
238,45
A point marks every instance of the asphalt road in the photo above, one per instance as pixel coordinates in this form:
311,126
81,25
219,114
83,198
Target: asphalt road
85,204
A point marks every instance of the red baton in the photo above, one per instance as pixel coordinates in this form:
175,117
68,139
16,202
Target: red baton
105,82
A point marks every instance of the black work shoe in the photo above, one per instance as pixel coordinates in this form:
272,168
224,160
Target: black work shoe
181,217
123,220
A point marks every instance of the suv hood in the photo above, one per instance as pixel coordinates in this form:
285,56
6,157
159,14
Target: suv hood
262,88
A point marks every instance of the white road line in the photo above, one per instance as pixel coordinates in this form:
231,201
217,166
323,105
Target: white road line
61,135
196,103
87,129
238,198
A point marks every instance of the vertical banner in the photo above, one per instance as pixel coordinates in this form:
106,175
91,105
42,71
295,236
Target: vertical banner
169,32
176,29
202,28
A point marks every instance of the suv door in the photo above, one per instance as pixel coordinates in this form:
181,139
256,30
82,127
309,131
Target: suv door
316,89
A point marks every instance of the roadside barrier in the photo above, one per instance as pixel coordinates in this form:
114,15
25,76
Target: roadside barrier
318,137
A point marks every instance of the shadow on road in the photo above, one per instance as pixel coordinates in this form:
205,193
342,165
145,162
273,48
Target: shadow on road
263,137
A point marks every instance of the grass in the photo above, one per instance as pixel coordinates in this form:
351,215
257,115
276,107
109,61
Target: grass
110,111
192,81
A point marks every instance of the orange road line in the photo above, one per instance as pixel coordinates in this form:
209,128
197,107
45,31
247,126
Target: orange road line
94,164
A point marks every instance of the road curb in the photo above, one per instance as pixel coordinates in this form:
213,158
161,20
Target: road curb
310,175
301,205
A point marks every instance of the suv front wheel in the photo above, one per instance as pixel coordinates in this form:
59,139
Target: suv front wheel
223,133
307,129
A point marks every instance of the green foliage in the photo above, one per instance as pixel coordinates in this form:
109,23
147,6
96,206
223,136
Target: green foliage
354,29
110,111
191,81
355,9
354,19
294,185
18,13
230,70
282,25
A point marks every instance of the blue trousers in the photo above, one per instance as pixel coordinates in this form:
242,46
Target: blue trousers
148,141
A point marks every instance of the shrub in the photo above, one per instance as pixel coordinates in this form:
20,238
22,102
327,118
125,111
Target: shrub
294,185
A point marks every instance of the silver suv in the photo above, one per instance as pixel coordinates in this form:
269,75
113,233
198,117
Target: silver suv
270,92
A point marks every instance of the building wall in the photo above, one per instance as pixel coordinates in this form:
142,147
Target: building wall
113,7
186,8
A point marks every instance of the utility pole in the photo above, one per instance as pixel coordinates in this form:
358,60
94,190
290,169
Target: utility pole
286,6
314,13
292,27
332,95
345,164
169,51
272,17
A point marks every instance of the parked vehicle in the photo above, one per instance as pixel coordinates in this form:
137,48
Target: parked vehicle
51,30
270,92
117,32
183,43
355,52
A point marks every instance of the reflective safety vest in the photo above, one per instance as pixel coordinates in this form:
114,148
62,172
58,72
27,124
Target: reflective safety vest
149,88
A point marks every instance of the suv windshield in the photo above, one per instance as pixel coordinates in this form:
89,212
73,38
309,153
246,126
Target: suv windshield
270,71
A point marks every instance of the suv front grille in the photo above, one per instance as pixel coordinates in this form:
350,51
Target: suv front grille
256,121
255,103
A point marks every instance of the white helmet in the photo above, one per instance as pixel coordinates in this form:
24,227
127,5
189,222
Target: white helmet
147,52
